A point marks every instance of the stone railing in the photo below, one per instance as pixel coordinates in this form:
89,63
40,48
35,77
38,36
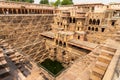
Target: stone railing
80,14
65,14
12,4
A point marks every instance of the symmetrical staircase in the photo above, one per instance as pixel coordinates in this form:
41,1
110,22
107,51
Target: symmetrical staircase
117,36
4,69
12,63
102,62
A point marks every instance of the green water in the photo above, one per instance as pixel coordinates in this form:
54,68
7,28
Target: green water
52,66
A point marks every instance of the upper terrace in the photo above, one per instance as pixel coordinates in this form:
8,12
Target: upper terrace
24,8
88,4
114,6
27,5
91,7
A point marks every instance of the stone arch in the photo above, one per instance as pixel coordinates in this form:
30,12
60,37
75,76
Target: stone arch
30,11
74,20
102,29
57,23
5,10
90,21
40,11
92,28
10,11
19,11
36,11
1,11
61,23
51,11
70,20
63,52
56,42
78,36
113,23
14,11
98,22
89,28
23,11
96,29
94,21
78,28
64,44
46,11
60,43
26,12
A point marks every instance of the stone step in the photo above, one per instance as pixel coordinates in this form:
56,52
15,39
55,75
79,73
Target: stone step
12,56
4,76
108,52
117,39
9,51
101,65
19,66
104,59
107,48
2,58
106,55
118,32
4,70
15,59
3,62
94,77
93,55
1,55
98,72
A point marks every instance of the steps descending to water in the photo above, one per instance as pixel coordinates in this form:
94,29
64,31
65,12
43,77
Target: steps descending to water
102,62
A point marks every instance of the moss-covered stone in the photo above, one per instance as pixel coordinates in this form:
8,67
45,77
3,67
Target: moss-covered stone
52,66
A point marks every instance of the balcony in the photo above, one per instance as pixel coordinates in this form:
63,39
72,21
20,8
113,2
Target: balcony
80,15
65,14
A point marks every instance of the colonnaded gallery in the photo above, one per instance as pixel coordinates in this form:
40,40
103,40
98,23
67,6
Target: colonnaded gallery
74,42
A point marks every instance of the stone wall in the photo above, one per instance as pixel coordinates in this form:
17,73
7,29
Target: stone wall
22,32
